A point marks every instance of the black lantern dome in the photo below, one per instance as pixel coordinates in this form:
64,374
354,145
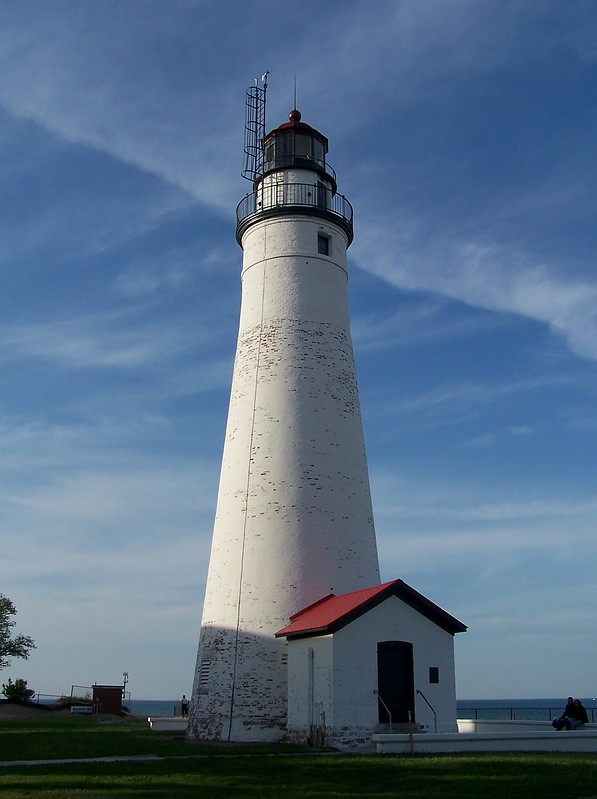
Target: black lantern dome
295,144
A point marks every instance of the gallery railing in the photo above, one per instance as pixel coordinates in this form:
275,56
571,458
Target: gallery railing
273,198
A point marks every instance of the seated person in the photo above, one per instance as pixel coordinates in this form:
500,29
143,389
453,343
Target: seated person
577,716
562,722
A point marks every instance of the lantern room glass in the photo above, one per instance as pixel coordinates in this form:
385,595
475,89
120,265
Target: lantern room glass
284,149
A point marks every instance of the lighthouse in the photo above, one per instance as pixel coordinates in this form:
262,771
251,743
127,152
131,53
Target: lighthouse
293,519
299,639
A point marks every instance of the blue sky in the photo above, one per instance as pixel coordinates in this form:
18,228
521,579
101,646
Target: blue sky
463,133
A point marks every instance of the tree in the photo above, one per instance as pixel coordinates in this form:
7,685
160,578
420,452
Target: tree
11,647
17,691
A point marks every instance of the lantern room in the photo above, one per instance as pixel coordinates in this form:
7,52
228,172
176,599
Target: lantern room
296,145
290,176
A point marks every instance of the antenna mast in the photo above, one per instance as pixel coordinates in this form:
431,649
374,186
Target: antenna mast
254,129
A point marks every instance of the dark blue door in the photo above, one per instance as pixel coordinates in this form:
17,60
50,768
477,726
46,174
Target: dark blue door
395,681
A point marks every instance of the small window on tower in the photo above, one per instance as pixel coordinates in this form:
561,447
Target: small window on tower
433,674
323,244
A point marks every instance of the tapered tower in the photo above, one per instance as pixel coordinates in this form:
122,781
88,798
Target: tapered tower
293,519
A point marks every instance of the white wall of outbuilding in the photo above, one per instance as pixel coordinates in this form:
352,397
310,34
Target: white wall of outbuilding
332,679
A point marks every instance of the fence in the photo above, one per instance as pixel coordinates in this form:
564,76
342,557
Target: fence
79,692
46,699
518,713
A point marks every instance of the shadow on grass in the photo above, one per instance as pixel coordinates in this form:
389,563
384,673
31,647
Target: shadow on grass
66,738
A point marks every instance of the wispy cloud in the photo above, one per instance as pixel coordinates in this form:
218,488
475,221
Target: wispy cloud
116,101
490,278
449,404
94,341
423,321
461,133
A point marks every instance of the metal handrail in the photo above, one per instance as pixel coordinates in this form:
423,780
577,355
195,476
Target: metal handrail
283,195
518,713
387,709
430,708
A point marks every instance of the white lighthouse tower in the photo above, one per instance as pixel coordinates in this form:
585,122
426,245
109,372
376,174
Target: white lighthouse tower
294,519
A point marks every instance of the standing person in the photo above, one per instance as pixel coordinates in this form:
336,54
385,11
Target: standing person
184,707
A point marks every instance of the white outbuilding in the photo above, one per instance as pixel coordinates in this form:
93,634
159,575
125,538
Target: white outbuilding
378,658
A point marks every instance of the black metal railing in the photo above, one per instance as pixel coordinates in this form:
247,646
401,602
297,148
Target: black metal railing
298,162
278,197
422,695
517,713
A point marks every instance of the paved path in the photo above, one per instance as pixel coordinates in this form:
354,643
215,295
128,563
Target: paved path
68,761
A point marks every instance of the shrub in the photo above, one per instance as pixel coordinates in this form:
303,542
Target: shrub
68,701
17,691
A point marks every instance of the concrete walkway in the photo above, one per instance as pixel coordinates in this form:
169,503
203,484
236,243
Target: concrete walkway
68,761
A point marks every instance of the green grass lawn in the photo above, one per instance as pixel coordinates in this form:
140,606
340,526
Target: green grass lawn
284,772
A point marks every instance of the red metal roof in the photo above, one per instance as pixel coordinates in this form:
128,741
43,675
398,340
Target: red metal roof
332,612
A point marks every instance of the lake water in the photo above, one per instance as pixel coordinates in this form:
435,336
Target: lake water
155,707
530,709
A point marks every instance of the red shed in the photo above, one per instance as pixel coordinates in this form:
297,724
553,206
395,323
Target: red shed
107,699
